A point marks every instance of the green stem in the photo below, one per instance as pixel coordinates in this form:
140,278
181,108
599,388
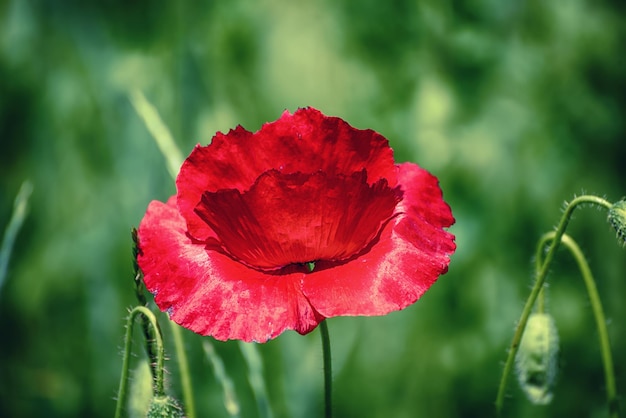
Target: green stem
598,312
141,298
541,246
328,372
159,389
183,367
539,282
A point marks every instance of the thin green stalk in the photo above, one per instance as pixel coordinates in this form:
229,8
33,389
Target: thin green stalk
159,389
20,210
159,131
183,367
141,298
539,282
598,312
541,246
328,372
255,376
230,396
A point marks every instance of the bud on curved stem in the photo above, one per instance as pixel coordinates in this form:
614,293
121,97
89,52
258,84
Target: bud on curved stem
176,334
539,282
159,390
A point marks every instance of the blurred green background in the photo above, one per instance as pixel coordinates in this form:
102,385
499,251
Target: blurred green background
515,105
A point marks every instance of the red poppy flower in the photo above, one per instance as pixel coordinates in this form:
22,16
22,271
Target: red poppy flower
307,218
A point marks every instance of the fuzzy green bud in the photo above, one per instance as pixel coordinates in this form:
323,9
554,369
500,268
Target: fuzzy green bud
536,360
164,407
617,218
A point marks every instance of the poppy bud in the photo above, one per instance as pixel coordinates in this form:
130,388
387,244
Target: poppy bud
164,407
617,218
537,357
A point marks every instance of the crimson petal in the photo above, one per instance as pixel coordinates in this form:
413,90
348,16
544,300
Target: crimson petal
209,293
306,141
411,253
297,218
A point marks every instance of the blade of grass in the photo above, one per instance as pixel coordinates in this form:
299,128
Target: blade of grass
20,210
159,131
230,398
185,375
255,377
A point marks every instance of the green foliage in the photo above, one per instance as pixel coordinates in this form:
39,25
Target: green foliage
515,106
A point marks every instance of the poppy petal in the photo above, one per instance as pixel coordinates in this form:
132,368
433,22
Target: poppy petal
306,141
297,218
209,293
410,254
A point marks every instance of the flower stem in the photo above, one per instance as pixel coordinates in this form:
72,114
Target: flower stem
141,298
328,372
159,389
598,312
183,368
541,246
539,282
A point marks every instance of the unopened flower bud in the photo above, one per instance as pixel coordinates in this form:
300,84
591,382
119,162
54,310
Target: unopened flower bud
164,407
617,218
536,358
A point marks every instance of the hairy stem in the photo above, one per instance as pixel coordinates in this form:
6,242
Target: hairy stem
159,389
598,313
539,282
